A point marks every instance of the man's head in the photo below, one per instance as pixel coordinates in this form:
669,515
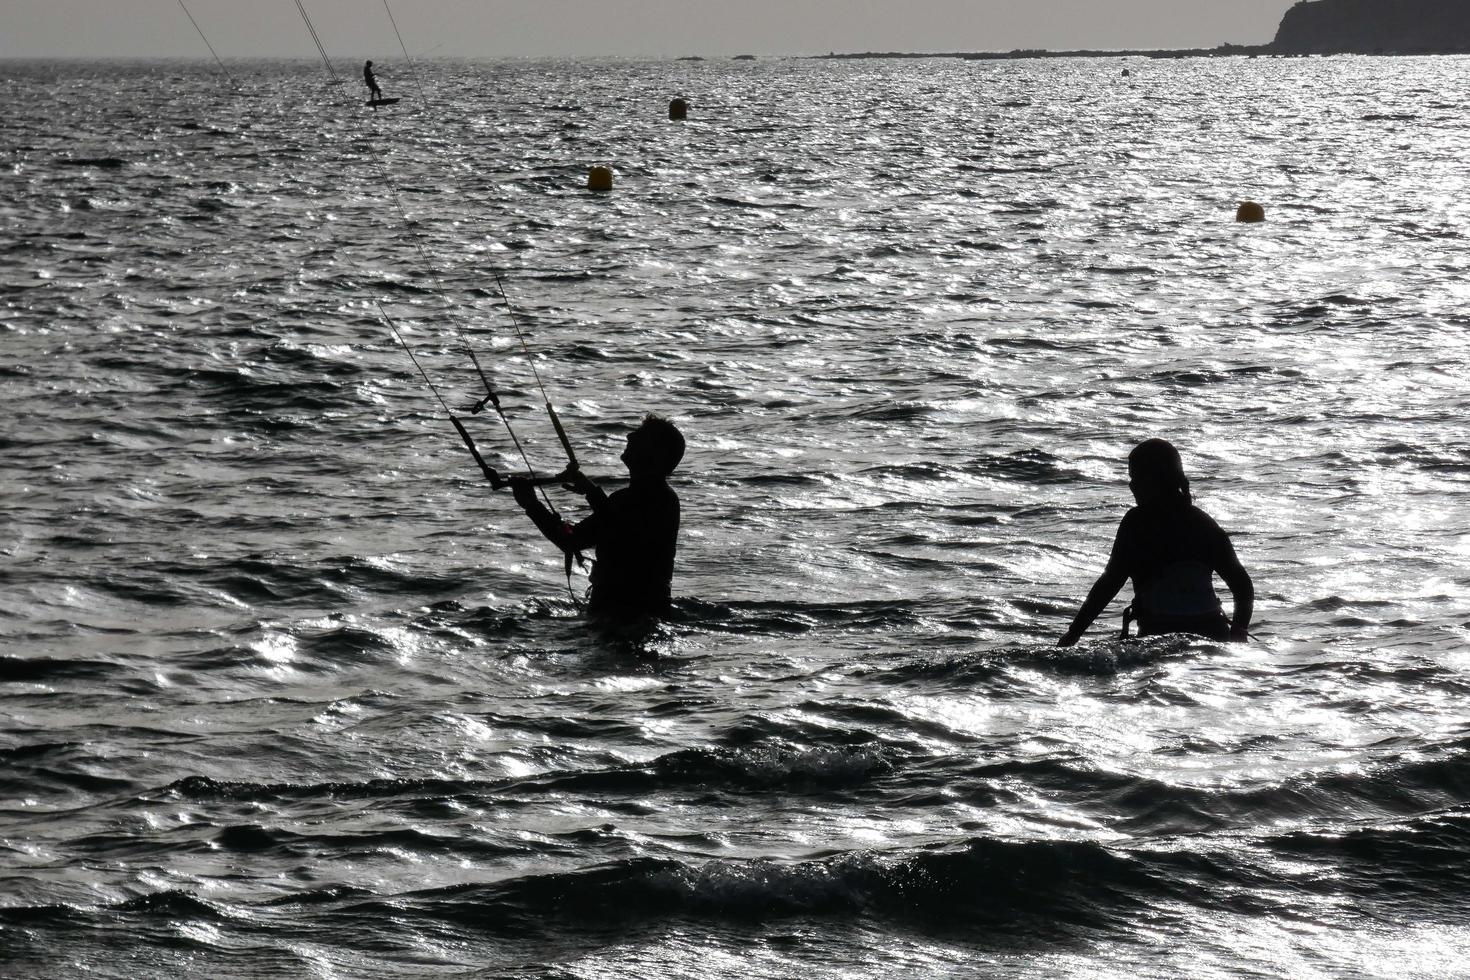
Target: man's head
654,448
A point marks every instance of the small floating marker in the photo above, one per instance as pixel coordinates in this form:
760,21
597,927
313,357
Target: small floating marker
1250,212
599,179
678,109
1126,72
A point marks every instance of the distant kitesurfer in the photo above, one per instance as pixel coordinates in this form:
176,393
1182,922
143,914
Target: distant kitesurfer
371,81
1169,548
633,530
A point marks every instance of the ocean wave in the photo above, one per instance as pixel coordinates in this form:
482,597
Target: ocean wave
104,163
796,616
1039,888
1043,888
1100,657
771,764
47,669
1133,804
1428,857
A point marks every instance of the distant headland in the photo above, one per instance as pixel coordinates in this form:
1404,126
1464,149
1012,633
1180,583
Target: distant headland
1389,27
1375,27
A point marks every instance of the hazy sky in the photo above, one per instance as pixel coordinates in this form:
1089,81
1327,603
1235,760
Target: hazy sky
497,28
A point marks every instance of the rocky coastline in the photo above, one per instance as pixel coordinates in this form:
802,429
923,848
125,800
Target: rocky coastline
1310,27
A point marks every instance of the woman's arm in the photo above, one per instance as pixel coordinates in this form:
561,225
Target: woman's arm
1106,586
1102,593
1243,590
1226,565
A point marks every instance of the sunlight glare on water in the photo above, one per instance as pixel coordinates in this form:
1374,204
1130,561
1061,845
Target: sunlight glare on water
287,690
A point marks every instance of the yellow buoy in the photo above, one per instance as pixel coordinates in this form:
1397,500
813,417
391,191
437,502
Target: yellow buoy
599,179
678,109
1250,212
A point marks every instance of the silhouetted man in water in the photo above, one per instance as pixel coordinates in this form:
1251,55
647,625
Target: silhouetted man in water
371,80
634,530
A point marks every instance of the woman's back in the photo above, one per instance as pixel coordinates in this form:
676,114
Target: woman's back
1171,551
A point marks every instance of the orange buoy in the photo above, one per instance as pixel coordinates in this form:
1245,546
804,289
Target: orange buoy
1250,212
600,179
678,109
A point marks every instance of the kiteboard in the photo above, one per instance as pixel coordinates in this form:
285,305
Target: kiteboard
377,102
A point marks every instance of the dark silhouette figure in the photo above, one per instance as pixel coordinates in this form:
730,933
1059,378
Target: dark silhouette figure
633,530
1170,548
371,80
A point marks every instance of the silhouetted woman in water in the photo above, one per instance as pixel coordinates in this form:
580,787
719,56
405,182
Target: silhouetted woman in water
1170,548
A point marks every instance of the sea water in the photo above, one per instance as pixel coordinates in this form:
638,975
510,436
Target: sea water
287,690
